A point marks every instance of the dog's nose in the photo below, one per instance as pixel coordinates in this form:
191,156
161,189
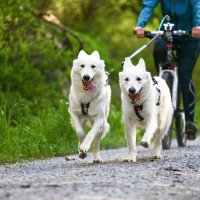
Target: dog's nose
86,77
131,90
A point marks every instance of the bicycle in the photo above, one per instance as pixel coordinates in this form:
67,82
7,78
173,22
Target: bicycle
168,71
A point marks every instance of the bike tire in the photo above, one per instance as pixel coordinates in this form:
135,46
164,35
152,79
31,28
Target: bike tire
180,123
167,139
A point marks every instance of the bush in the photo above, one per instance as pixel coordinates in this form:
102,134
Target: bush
48,134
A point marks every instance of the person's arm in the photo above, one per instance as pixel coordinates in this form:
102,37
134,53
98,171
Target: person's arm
196,18
146,12
144,16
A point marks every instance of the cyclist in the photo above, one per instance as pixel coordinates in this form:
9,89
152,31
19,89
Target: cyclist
186,16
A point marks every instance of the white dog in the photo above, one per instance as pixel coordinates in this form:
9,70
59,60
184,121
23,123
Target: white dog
146,102
89,101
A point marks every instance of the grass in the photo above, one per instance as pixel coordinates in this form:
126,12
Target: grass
28,137
45,135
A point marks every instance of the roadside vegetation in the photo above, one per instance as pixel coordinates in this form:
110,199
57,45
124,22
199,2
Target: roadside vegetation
36,54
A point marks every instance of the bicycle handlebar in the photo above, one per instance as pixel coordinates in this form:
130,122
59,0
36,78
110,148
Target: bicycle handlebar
167,34
151,34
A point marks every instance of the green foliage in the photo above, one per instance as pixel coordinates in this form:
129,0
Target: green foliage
27,68
47,134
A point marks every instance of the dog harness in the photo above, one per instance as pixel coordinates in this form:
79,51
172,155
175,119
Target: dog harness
84,108
138,108
156,83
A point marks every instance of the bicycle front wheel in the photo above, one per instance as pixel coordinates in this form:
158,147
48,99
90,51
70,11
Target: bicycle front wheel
180,123
166,142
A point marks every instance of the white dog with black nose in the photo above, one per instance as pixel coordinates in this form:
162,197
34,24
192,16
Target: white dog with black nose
146,102
89,101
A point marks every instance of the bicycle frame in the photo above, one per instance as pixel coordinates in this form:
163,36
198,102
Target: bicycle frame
173,74
174,93
172,70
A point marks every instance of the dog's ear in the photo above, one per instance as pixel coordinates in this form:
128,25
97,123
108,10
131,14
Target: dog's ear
96,54
82,53
141,64
127,63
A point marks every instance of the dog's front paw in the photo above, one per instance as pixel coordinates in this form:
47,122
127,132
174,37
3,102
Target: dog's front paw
82,154
96,158
145,144
130,158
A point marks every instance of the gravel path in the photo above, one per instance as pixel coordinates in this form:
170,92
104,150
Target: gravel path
176,176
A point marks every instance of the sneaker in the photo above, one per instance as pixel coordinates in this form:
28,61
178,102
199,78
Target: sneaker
191,130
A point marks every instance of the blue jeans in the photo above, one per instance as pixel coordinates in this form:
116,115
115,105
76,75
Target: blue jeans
187,54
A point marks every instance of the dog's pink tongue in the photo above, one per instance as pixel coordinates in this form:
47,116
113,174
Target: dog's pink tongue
135,97
91,87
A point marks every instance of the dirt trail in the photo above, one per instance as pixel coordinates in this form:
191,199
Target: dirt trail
176,176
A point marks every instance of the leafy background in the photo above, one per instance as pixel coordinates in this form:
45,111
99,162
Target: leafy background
35,63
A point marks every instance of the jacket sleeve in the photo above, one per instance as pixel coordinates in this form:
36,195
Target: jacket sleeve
147,11
196,12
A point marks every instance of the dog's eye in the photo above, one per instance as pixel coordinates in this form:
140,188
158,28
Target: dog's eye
82,66
126,79
138,79
93,66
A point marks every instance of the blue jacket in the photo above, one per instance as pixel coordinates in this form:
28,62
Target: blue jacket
185,14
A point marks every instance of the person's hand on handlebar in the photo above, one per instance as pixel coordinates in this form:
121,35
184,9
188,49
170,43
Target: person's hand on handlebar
196,32
139,31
